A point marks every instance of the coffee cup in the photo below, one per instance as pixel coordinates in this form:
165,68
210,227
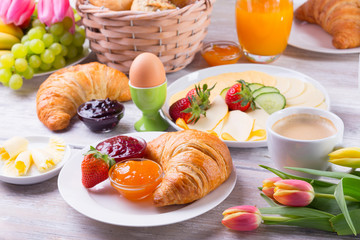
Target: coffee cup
303,137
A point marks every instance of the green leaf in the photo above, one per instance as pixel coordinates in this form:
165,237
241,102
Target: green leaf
296,211
336,175
340,198
321,223
341,226
351,187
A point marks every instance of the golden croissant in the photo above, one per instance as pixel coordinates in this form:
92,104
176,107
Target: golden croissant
65,90
340,18
194,163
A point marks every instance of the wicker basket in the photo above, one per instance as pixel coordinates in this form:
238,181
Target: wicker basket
175,36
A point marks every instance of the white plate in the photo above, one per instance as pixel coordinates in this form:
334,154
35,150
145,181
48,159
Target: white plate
194,77
34,176
312,37
105,204
74,61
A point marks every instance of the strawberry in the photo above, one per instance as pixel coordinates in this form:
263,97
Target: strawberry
192,106
239,97
95,167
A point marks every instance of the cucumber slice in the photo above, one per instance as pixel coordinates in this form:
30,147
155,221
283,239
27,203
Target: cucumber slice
254,86
223,92
264,90
271,101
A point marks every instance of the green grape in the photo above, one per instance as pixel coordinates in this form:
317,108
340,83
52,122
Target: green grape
67,23
80,50
21,65
47,56
42,29
37,46
64,51
56,38
59,62
7,60
25,39
5,75
77,17
27,45
15,82
56,48
19,50
37,23
66,39
29,73
72,51
57,29
34,61
35,33
48,39
79,39
45,66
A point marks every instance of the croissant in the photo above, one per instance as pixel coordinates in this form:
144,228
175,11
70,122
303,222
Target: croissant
340,18
194,163
64,91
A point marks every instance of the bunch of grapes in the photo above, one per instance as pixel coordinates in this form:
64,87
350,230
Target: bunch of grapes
41,49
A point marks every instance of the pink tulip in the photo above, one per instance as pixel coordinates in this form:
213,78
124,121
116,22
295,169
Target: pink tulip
268,186
295,193
53,11
17,12
242,218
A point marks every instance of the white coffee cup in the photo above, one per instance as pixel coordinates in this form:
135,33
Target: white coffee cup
290,152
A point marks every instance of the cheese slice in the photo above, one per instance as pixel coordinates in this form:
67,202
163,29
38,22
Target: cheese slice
12,147
43,159
57,147
296,88
8,169
322,105
238,125
257,134
260,116
312,97
283,84
217,111
23,163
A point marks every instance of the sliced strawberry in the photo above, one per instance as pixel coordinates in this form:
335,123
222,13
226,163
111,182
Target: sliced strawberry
239,97
95,167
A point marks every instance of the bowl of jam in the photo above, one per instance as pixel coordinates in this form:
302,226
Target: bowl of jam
101,115
123,147
136,178
221,52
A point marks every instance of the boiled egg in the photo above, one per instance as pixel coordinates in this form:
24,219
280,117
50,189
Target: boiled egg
147,71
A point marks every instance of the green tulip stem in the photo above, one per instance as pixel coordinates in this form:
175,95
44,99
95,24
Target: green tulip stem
274,219
331,196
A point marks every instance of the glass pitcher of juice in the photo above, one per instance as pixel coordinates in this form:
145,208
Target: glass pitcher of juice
263,28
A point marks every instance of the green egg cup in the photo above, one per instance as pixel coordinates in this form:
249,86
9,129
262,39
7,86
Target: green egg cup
150,101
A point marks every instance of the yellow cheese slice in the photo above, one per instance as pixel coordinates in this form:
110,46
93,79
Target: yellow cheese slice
257,134
23,163
43,159
322,105
238,125
260,116
217,111
283,84
8,169
57,147
296,88
12,147
312,97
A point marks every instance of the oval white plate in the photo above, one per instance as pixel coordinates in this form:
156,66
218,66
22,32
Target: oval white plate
194,77
34,176
74,61
312,37
105,204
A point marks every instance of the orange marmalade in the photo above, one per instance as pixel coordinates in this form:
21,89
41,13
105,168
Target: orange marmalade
136,179
221,53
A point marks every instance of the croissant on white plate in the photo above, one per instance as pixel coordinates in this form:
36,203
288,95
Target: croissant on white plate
340,18
194,163
64,91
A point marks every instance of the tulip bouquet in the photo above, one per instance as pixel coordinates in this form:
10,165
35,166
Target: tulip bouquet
303,202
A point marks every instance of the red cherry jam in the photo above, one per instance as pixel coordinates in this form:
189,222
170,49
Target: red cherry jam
123,147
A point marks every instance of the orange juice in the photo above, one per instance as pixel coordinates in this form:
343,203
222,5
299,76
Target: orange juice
263,26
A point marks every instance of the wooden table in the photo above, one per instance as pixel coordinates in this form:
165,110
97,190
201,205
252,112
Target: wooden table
39,212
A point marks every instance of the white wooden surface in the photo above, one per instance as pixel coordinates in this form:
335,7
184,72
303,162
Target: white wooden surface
39,212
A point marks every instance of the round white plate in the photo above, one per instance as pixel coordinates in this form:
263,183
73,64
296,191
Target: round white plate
194,77
34,176
74,61
312,37
105,204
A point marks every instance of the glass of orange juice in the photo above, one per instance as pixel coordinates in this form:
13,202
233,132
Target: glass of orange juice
263,28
